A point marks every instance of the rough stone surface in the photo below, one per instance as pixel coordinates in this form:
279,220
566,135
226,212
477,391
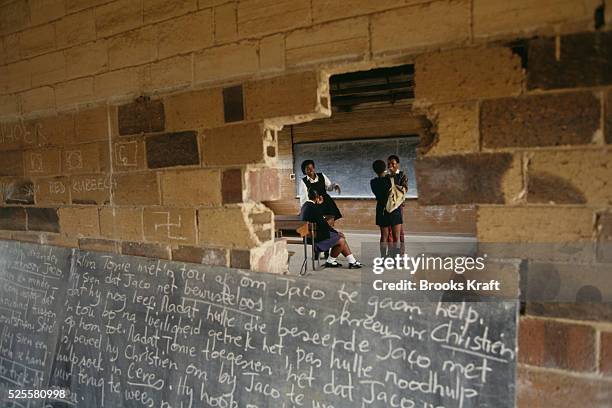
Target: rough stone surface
217,144
44,162
570,177
226,61
17,191
171,225
497,18
534,224
227,227
231,186
342,40
79,221
576,60
99,245
52,190
147,250
86,59
456,126
53,130
172,149
263,184
463,179
132,48
129,154
540,120
184,34
136,189
155,10
85,158
191,188
552,344
537,388
75,28
257,17
43,219
421,26
90,189
289,95
573,311
271,257
206,256
118,16
467,74
12,164
194,110
240,258
141,116
121,223
12,218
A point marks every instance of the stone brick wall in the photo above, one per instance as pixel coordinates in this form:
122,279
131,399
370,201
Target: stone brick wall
177,176
521,132
83,162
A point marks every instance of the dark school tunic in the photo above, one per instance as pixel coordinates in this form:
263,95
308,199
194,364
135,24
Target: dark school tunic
328,207
326,235
380,187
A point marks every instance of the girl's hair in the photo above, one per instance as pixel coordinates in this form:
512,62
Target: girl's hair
312,193
379,166
393,157
305,164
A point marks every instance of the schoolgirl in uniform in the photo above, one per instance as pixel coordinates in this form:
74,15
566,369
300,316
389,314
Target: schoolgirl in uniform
380,185
321,183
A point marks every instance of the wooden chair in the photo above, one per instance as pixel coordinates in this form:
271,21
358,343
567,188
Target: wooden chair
290,226
308,232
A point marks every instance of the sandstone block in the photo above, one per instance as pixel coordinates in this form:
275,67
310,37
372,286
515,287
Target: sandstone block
570,177
79,221
171,225
194,110
481,72
342,40
191,188
421,26
534,224
218,144
136,189
226,61
540,120
121,223
189,33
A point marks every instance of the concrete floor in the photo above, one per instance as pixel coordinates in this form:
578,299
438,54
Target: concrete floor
365,247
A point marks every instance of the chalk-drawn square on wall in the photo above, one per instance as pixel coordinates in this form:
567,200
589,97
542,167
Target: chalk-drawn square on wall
126,153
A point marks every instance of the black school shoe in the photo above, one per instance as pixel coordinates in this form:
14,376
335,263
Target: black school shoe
334,264
355,265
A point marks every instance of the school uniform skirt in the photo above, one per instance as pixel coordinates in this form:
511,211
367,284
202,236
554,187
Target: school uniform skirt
327,244
386,219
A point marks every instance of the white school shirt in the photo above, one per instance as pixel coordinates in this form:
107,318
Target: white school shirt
304,189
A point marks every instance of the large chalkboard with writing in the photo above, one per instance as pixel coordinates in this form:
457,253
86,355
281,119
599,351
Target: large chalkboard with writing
349,162
143,332
32,291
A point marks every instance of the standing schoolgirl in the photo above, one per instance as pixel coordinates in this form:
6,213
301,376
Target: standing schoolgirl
321,183
380,185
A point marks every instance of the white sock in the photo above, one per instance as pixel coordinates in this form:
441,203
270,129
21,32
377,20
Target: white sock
331,259
351,258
